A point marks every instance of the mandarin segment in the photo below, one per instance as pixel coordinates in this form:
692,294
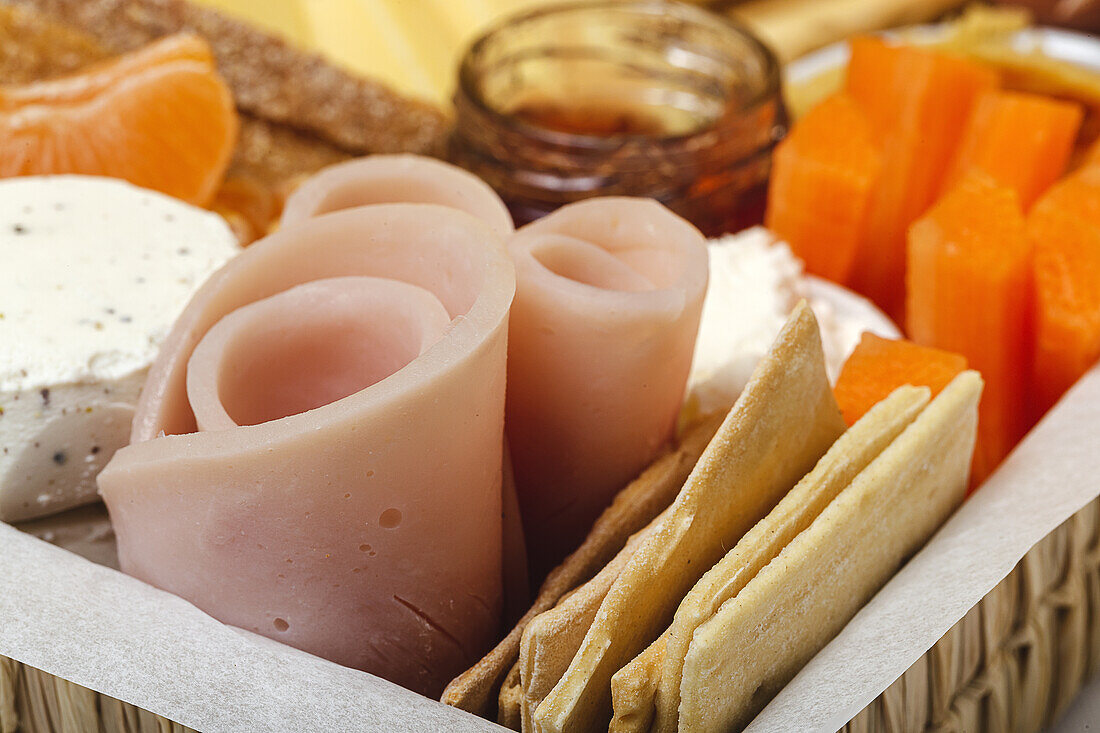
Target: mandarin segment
160,118
98,77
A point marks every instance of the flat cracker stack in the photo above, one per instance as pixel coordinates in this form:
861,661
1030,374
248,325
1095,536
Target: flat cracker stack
782,531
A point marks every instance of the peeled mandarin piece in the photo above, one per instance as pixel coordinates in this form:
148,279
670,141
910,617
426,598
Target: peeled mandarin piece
160,118
1092,155
969,292
822,175
1022,141
1064,228
102,76
916,102
878,366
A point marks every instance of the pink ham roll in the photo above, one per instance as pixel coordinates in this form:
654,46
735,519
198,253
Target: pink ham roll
385,179
316,456
608,297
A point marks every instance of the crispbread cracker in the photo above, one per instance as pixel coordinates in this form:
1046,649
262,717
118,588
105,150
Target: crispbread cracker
782,424
849,455
633,689
743,655
511,698
552,638
475,690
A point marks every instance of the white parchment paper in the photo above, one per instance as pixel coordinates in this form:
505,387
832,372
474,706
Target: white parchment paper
1053,473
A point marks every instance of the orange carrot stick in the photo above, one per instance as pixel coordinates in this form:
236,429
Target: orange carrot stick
969,291
1020,140
1064,228
878,366
917,102
820,186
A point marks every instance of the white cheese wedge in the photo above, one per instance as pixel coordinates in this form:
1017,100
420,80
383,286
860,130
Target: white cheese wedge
93,271
755,281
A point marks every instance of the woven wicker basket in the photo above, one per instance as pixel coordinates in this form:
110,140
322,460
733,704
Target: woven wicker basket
1018,658
1013,663
35,702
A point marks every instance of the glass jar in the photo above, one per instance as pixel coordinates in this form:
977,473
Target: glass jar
628,98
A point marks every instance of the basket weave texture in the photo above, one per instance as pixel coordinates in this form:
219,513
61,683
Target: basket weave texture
1013,663
32,701
1018,658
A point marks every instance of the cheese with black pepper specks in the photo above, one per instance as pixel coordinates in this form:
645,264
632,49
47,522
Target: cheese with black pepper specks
93,272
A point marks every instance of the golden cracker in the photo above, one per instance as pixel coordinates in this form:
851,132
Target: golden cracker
740,658
851,453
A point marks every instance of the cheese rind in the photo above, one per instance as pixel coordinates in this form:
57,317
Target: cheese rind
94,272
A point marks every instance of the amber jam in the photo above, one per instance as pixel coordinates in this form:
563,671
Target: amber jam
635,98
602,121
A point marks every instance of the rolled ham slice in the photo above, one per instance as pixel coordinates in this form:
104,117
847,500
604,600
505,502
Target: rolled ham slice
316,456
608,297
384,179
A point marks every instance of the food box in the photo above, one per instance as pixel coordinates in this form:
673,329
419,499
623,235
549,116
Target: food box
990,626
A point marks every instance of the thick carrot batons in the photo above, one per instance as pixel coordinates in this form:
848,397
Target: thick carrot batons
916,102
1022,141
1064,228
820,186
878,366
969,292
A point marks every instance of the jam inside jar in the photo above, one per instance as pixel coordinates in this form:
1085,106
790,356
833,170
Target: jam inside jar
635,98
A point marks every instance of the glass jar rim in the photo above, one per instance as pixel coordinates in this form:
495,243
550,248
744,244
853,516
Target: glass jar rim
467,87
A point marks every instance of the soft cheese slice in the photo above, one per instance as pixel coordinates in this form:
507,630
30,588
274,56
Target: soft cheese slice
93,271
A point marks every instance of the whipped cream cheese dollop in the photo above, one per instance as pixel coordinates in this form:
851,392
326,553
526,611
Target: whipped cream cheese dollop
93,271
317,454
755,282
